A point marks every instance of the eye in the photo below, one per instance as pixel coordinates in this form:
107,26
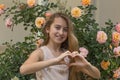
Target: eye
66,29
57,27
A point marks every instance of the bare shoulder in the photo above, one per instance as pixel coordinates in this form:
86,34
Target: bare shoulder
38,53
35,56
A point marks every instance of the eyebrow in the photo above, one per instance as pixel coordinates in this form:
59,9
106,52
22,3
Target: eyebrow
60,25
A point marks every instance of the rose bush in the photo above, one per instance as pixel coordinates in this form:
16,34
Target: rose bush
99,45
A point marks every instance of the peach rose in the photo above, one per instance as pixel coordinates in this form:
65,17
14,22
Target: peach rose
76,12
2,6
31,3
105,64
115,37
86,2
39,22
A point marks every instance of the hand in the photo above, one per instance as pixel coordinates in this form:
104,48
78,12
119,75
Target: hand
60,59
80,61
84,66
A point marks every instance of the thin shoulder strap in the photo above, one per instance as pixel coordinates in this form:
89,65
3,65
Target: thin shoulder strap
46,52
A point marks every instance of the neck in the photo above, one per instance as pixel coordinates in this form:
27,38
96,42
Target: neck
55,47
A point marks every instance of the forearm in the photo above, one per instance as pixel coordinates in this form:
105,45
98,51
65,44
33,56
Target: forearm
34,67
91,71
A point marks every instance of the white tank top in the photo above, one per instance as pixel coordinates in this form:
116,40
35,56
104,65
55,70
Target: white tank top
55,72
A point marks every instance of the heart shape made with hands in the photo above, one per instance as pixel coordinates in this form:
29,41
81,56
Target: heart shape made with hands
78,60
74,59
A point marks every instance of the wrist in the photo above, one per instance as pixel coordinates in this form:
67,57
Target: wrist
88,65
56,60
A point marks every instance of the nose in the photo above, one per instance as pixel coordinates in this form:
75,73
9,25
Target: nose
61,32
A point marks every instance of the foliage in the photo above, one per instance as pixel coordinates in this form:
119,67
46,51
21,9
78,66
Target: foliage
86,29
13,57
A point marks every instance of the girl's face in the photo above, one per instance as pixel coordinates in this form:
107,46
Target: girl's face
58,31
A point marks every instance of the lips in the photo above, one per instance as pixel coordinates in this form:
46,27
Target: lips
60,38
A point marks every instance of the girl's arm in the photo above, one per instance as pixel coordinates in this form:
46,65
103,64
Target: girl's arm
35,62
91,71
82,65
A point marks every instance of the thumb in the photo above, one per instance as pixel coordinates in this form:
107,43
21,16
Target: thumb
73,64
62,62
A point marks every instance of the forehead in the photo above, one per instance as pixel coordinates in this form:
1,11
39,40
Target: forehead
60,21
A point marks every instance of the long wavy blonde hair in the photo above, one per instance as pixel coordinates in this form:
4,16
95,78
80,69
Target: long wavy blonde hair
71,43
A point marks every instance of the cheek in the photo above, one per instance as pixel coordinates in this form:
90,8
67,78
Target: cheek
52,32
66,35
52,29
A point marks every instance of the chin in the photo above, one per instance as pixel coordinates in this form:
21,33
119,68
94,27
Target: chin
59,42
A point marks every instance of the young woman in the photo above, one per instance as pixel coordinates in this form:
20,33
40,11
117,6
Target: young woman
57,58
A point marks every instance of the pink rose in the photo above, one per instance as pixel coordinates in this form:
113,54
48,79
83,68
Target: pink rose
101,37
116,73
8,22
117,50
83,51
48,14
115,43
1,11
117,27
39,42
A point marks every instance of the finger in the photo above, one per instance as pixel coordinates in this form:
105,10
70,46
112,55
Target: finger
74,54
73,64
68,52
70,56
79,57
62,62
83,59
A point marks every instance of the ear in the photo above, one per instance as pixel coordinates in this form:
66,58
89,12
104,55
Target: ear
47,30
